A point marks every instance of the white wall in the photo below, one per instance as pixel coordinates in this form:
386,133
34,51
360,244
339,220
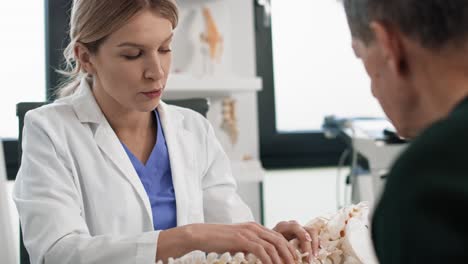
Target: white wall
302,194
8,218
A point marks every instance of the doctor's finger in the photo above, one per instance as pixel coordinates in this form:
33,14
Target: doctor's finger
294,229
258,250
314,234
271,250
285,249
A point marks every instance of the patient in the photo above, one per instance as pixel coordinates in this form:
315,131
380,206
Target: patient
416,54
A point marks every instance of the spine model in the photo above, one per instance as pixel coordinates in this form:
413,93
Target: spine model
344,239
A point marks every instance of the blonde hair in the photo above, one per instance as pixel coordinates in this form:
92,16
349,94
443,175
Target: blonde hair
92,21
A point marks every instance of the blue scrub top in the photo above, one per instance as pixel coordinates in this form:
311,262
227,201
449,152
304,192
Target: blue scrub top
156,177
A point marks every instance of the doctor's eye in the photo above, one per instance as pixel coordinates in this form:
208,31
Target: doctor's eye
164,51
133,57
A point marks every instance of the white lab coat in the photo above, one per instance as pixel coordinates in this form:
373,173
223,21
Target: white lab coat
81,201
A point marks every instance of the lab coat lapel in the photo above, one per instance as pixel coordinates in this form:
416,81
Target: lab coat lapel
175,133
110,145
88,111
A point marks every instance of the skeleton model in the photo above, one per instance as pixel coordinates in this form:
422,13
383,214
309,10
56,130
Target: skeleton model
344,239
229,124
213,39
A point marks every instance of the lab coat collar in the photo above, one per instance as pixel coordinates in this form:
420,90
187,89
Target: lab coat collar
177,139
88,111
86,108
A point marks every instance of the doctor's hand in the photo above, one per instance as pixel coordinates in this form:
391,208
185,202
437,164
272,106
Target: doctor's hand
267,245
307,236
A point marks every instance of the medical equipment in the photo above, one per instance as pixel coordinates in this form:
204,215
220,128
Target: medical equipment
373,145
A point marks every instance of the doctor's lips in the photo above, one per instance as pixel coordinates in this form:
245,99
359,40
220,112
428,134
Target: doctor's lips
153,93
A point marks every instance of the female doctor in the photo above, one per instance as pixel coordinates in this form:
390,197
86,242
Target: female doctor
111,174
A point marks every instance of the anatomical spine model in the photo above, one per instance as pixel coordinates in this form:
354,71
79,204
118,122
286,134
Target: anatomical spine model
344,239
229,123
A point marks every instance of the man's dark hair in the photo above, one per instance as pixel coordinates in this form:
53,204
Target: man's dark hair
434,23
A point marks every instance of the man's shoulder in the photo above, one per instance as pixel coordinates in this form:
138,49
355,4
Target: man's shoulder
425,187
445,137
441,147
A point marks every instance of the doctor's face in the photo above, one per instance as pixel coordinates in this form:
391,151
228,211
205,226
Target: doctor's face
131,66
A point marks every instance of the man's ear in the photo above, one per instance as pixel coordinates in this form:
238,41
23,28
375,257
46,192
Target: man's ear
83,55
389,41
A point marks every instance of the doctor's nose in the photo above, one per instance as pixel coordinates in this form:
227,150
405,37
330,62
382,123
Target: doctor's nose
154,69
